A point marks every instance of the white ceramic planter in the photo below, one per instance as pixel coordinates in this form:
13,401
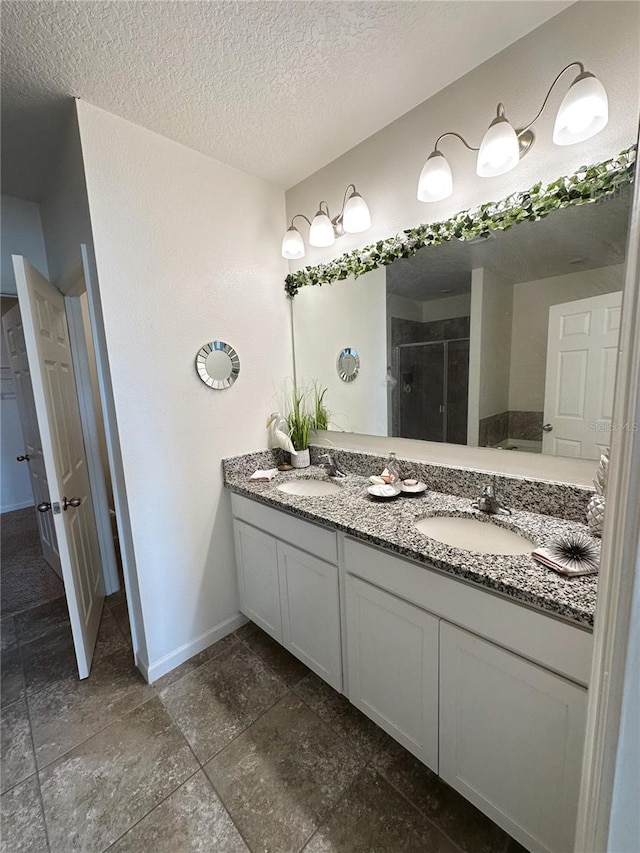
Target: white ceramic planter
301,459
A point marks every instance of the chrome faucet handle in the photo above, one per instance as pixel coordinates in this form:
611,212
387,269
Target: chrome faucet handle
489,503
331,466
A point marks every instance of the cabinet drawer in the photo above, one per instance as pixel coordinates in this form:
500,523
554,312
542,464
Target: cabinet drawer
554,644
309,537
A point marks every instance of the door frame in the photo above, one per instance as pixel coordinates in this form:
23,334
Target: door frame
607,811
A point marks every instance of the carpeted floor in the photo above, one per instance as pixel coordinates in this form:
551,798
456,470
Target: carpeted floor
26,579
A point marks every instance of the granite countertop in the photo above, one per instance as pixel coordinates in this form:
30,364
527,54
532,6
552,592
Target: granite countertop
390,524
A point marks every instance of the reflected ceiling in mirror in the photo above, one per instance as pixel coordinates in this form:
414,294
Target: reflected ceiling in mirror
483,342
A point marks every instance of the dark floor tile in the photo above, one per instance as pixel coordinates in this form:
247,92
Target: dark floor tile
336,710
514,847
374,817
52,658
42,620
191,820
195,662
99,790
16,755
120,613
467,827
246,630
11,679
283,663
221,698
281,776
22,821
69,711
8,633
115,597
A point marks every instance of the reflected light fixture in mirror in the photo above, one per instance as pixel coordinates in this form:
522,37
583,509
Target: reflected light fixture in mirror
583,112
353,218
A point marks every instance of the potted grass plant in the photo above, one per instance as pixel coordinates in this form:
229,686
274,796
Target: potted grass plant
305,411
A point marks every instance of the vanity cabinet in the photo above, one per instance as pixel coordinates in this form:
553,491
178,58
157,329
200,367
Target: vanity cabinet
511,739
489,694
258,583
393,667
291,594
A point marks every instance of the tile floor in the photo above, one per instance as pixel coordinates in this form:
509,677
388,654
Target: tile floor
240,749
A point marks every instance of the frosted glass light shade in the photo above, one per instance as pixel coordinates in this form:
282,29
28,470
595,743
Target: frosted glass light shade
321,232
499,151
436,181
356,216
292,244
584,111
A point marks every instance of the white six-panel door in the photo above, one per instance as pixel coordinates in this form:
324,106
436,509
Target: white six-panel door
14,336
56,404
582,351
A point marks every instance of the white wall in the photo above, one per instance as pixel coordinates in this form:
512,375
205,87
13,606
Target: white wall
350,313
385,167
531,303
187,252
21,235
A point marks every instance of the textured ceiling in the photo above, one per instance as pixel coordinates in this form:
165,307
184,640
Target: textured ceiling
276,89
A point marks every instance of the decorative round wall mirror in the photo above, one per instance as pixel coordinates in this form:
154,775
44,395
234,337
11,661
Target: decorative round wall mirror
218,365
348,364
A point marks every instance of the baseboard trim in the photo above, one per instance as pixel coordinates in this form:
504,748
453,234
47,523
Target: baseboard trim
14,507
152,672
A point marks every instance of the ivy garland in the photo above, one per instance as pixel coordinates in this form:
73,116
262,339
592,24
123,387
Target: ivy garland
588,184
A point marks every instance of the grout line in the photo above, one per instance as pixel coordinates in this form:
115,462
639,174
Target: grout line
333,808
97,732
35,762
146,815
224,806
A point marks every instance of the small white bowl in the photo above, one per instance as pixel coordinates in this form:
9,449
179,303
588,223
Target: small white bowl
414,490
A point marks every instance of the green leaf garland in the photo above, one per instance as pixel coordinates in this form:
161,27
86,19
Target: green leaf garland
586,185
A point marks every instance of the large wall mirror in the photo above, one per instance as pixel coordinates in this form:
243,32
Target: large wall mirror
507,342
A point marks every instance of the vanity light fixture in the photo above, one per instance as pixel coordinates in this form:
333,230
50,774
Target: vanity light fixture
584,111
323,230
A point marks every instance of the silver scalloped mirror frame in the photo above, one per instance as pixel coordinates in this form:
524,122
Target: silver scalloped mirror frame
228,368
348,364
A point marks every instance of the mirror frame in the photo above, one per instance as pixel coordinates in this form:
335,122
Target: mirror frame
201,365
347,352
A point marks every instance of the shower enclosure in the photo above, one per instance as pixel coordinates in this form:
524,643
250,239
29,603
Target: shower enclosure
430,396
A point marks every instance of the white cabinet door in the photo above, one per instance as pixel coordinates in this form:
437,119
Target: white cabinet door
511,739
257,559
393,667
311,612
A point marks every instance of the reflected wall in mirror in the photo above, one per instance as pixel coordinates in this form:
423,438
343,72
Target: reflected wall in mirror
482,342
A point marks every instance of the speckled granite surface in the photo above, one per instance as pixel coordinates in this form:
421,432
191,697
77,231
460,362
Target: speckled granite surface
390,524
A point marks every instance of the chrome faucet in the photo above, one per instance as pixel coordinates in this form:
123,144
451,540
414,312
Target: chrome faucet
331,466
489,503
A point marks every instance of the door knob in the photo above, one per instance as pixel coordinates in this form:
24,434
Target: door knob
45,506
547,427
24,458
71,502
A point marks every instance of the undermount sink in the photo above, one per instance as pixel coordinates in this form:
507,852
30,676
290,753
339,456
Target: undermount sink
310,488
471,534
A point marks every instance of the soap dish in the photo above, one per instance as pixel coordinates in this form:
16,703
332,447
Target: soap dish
414,490
384,491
